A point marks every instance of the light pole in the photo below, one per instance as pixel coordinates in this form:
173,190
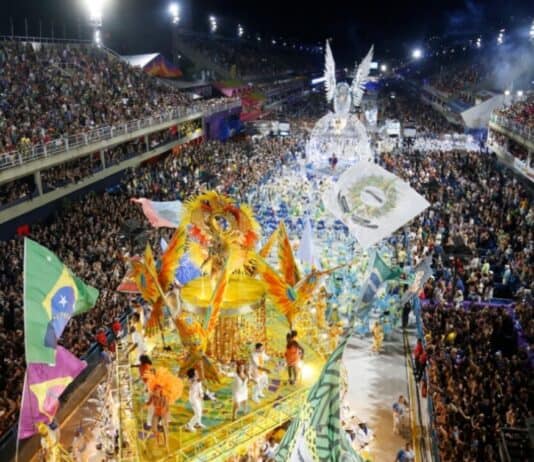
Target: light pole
213,24
174,12
95,8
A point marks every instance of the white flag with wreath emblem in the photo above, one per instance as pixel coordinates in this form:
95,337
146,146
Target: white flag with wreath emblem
372,202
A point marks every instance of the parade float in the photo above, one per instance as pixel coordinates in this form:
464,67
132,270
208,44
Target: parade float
244,295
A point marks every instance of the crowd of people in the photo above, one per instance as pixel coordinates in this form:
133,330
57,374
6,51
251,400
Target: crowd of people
395,103
479,380
508,145
50,91
16,191
77,170
480,225
520,113
253,58
459,81
89,237
480,229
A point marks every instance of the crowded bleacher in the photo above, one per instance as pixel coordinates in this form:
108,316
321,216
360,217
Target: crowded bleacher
520,113
251,58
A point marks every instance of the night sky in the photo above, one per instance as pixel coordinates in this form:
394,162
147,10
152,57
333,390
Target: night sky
139,26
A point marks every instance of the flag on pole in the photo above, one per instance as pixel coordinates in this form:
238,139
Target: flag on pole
161,214
316,433
307,253
43,386
52,295
372,202
417,280
380,273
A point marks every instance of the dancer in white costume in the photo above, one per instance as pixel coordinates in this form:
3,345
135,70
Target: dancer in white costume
240,389
196,394
258,372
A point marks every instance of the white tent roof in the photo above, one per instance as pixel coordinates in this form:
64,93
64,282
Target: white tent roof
140,60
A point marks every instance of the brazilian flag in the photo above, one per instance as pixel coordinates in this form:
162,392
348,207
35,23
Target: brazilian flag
52,295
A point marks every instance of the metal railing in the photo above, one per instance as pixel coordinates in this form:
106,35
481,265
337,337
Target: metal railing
29,38
220,443
522,130
30,153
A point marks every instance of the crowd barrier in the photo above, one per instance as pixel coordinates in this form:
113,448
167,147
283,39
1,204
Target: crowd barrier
29,153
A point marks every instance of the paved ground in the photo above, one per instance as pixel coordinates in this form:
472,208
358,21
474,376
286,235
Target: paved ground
375,382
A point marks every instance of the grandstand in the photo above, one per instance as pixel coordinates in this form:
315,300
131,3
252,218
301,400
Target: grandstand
511,134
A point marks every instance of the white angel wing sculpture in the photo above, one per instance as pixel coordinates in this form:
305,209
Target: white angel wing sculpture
361,77
329,73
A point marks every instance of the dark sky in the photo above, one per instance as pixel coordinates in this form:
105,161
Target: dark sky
136,26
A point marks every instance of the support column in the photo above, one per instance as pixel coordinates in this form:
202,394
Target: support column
38,182
103,159
146,143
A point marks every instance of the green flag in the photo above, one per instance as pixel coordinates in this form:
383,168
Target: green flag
380,273
316,433
52,295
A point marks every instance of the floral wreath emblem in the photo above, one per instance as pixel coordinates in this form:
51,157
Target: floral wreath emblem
371,197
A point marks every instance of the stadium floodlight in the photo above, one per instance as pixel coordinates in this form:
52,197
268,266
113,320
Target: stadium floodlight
500,37
95,8
531,33
213,24
240,30
479,42
174,11
258,38
383,68
417,53
506,92
519,93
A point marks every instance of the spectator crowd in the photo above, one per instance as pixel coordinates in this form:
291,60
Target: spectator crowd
520,112
51,91
252,58
480,228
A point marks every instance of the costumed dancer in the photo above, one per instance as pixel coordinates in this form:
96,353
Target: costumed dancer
160,404
165,389
378,336
258,372
138,342
240,389
196,394
145,369
294,356
49,441
321,308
